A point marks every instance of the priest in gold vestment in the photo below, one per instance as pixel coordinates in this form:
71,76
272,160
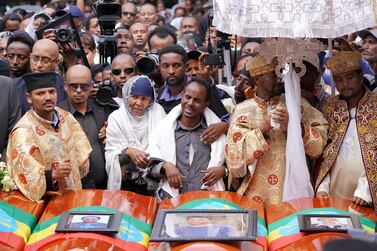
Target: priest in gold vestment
348,167
257,136
47,149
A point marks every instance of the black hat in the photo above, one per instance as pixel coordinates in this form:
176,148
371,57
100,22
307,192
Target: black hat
39,80
193,55
362,34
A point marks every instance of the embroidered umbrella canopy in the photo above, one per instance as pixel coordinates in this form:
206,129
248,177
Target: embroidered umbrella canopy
289,19
294,18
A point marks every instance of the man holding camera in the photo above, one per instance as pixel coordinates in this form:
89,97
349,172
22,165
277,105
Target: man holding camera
93,120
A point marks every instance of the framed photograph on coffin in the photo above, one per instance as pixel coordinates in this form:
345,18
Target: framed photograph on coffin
205,225
327,223
89,221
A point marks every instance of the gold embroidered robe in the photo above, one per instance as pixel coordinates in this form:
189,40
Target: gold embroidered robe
247,146
337,113
34,146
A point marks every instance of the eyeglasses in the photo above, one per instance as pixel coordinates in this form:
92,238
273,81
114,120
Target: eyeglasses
129,13
127,71
83,87
44,60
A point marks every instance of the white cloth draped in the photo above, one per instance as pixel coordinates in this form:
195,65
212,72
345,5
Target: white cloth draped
124,131
297,179
291,18
162,146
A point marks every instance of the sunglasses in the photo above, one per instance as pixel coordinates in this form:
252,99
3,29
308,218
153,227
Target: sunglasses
129,13
83,87
127,71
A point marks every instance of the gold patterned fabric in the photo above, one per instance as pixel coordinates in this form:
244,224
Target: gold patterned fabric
344,61
246,145
336,111
35,146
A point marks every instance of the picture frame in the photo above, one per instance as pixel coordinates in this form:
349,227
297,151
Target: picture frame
65,21
89,221
204,225
315,223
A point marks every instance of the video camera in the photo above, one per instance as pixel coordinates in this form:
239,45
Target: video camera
222,56
108,13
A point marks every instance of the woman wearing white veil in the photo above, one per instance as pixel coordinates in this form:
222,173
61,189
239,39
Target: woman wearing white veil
128,133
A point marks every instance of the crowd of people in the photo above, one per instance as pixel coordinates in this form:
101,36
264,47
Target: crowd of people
177,127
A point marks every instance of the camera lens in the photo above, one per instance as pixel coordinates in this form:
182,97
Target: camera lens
148,64
63,35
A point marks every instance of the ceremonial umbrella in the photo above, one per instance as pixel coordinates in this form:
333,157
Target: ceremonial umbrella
294,18
290,19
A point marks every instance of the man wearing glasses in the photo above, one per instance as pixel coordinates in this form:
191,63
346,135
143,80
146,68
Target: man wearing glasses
43,58
128,15
92,119
123,67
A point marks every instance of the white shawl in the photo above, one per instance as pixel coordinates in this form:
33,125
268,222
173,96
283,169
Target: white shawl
162,146
119,135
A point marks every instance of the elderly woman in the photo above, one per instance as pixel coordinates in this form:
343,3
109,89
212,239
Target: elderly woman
128,133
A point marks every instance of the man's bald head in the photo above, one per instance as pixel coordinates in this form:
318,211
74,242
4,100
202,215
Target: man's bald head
78,84
123,67
47,45
123,57
78,71
44,56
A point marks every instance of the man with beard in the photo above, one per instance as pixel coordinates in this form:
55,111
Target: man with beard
257,135
172,67
18,54
349,163
47,149
182,160
43,58
92,119
123,67
125,41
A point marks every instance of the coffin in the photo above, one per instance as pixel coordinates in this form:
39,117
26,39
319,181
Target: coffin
18,217
283,229
215,200
137,219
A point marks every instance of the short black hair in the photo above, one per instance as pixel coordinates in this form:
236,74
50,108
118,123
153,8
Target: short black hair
175,48
203,83
97,68
13,17
258,40
162,33
43,16
22,37
87,21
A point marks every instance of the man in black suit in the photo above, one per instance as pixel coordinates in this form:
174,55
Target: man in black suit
10,109
93,120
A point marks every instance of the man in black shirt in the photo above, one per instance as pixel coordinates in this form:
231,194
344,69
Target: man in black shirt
92,119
